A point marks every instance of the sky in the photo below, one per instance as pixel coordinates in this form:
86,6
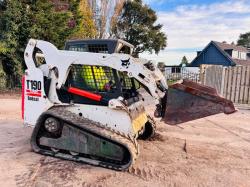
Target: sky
191,24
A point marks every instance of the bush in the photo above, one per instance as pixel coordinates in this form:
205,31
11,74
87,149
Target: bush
3,80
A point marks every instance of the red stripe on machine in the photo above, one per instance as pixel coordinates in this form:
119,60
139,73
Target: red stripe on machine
23,88
84,93
28,91
34,94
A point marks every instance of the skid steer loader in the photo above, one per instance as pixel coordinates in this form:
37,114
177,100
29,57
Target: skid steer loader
87,106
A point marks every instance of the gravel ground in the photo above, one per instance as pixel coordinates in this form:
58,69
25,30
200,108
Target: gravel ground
213,151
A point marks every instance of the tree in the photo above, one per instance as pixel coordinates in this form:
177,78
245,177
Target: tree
244,40
117,11
184,61
13,29
82,20
161,66
48,24
137,25
105,14
24,19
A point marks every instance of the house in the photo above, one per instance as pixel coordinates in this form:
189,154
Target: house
221,53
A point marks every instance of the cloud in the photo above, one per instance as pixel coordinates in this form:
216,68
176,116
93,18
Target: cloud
194,26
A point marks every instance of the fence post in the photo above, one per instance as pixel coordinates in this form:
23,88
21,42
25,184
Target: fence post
242,84
225,82
222,81
202,73
229,88
247,90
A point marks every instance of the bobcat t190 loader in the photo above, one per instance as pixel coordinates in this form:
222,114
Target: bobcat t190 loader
87,106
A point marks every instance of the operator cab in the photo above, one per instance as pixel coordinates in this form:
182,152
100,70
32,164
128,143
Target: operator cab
100,46
105,81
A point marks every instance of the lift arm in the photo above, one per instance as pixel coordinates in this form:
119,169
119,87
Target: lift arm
151,78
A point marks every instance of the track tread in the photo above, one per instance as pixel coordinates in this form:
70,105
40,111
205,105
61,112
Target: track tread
131,143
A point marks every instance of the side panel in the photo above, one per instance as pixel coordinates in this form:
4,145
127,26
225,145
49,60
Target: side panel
130,122
34,102
118,120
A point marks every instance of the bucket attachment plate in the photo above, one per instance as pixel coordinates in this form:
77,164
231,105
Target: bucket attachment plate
188,101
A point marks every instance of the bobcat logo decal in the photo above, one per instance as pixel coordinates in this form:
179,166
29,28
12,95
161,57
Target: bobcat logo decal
125,63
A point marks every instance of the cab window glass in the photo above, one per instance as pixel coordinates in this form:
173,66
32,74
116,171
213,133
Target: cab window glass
78,47
98,48
124,50
127,82
93,78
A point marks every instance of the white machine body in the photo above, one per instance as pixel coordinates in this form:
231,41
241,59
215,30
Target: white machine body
116,115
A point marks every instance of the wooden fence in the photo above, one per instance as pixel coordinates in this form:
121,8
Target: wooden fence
232,83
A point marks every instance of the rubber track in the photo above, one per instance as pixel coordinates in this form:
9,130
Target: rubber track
153,122
62,113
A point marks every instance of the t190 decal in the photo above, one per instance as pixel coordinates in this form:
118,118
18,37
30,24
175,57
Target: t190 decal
33,89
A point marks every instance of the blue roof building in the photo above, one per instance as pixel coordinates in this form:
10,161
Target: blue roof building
221,53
